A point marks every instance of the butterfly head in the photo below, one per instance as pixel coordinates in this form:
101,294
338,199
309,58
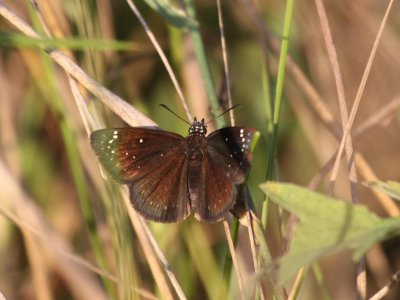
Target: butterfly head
198,127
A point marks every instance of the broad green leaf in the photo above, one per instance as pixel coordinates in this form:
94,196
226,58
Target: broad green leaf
172,14
390,188
325,226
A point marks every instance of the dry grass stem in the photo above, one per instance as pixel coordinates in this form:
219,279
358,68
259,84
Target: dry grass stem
234,258
225,60
341,98
148,248
361,273
162,56
383,292
129,114
163,260
359,94
82,283
254,244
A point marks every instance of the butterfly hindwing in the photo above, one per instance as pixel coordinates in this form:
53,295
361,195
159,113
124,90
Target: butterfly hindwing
227,161
231,146
163,196
216,194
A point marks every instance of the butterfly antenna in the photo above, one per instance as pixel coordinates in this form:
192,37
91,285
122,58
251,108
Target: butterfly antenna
172,112
228,110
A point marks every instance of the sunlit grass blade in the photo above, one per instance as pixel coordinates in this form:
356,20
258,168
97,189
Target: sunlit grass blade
74,43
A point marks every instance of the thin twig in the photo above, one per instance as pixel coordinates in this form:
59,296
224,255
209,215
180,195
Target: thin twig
360,92
88,121
353,178
142,233
361,274
377,117
232,119
362,165
341,96
234,258
383,292
162,56
225,59
253,244
163,260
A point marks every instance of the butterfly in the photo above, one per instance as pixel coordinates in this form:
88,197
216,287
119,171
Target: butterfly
169,176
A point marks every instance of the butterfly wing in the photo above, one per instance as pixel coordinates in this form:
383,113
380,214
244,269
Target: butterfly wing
216,192
152,163
228,159
231,146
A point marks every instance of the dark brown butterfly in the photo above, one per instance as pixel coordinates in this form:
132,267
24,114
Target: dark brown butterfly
169,175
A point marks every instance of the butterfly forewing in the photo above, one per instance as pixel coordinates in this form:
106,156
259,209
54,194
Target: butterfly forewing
130,152
152,163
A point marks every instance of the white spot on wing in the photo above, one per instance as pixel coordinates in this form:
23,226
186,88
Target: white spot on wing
141,141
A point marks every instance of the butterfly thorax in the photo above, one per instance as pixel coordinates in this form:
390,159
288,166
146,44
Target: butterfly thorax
196,151
198,128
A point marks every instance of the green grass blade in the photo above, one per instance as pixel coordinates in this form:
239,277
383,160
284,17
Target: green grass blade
21,41
173,15
273,138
